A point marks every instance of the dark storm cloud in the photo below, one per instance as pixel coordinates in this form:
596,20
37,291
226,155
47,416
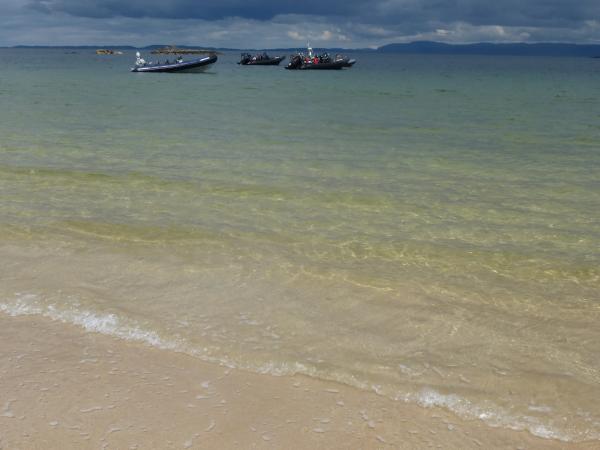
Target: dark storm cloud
276,23
194,9
476,12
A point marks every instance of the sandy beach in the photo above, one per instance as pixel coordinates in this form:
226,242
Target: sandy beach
62,388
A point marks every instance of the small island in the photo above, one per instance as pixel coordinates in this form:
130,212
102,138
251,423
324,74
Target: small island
103,51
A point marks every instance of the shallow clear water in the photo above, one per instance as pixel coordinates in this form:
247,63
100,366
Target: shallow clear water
423,226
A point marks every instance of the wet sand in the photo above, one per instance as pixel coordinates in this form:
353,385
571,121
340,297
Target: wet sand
62,388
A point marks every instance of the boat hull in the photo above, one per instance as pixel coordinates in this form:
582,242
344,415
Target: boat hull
195,65
334,65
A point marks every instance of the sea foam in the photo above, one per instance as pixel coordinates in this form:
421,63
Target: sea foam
492,415
109,324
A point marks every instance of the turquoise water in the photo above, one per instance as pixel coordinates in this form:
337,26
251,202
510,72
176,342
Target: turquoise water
423,226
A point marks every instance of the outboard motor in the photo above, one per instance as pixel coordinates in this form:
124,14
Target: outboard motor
295,62
139,61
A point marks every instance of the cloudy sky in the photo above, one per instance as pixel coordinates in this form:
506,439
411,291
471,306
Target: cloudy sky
289,23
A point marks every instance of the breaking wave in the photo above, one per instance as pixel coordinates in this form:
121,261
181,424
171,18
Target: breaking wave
112,325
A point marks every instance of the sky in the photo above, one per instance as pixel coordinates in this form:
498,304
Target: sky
288,23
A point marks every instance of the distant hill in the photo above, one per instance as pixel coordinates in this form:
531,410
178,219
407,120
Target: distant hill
76,47
161,46
543,49
116,47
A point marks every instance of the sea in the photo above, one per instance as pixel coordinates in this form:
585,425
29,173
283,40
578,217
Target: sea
425,227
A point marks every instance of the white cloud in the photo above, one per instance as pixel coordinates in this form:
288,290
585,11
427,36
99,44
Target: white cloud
296,36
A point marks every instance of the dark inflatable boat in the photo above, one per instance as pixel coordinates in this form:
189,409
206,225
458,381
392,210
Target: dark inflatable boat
261,59
310,61
177,65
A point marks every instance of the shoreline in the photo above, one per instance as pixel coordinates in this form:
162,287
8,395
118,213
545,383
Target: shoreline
66,388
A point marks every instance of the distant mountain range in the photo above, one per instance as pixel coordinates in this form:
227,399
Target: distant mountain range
483,48
419,47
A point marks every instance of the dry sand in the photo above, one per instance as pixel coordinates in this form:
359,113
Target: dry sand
62,388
